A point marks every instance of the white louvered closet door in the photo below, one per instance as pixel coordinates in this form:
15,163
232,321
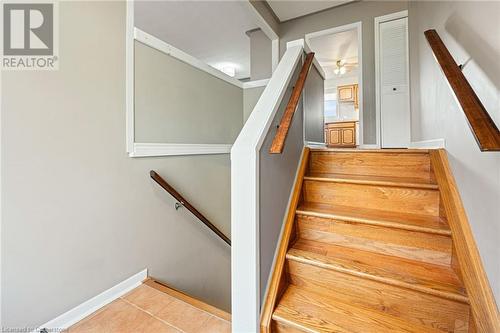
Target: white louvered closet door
394,84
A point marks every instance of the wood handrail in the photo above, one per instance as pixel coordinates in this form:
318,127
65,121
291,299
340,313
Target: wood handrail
166,186
484,129
286,120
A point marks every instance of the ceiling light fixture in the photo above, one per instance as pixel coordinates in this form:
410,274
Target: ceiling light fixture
340,69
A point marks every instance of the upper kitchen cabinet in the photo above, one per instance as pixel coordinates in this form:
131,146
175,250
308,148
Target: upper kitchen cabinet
348,93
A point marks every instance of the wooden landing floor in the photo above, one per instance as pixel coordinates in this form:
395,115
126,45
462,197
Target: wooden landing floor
149,310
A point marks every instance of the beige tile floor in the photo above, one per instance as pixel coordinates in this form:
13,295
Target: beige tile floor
148,310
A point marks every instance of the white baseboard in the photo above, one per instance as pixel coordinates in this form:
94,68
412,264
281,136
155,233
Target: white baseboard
313,144
369,146
435,143
81,311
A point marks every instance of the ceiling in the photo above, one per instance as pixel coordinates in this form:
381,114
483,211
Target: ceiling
212,31
287,10
338,46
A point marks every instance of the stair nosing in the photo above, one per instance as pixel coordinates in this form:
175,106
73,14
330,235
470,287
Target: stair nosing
292,323
380,151
380,222
394,282
387,183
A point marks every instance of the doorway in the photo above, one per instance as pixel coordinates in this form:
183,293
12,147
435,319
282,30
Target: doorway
339,52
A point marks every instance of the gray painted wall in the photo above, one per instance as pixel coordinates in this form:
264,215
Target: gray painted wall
314,106
250,98
78,214
471,31
277,174
267,14
364,11
178,103
260,55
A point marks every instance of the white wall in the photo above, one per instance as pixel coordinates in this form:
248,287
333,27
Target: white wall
471,31
79,215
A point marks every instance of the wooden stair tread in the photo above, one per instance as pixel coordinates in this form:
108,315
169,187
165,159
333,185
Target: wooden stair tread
420,276
406,221
411,305
312,312
373,180
358,150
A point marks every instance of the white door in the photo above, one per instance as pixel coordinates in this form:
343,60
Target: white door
393,89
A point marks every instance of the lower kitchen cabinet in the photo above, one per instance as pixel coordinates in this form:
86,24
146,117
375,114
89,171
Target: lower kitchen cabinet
341,134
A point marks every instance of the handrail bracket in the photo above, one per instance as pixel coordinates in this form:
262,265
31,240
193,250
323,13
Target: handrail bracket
181,202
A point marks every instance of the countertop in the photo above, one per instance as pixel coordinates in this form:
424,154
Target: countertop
342,121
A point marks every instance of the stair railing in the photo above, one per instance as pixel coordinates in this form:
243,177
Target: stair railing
246,191
286,120
262,182
483,128
182,202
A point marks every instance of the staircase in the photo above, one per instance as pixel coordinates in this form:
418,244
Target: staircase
370,249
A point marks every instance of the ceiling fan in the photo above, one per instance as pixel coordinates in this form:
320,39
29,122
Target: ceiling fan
342,67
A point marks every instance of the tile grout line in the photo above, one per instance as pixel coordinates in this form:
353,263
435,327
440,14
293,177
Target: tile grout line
154,316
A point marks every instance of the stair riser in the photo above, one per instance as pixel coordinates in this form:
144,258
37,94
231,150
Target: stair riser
416,165
388,198
431,248
432,311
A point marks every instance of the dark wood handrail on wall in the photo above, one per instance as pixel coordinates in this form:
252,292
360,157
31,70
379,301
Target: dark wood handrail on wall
286,121
166,186
484,129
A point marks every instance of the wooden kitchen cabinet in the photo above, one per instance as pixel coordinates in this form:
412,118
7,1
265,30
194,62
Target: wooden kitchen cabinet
348,93
341,134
